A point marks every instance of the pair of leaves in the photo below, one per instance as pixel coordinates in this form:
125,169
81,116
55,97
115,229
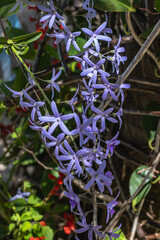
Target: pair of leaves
19,42
114,5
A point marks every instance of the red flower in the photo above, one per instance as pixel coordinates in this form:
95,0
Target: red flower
37,238
69,226
42,223
5,130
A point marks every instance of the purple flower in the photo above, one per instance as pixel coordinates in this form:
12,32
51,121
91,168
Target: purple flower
113,234
110,208
94,69
33,104
74,158
117,58
99,177
121,87
74,199
20,195
57,119
68,37
82,128
20,4
111,144
16,94
108,88
91,11
74,99
90,228
94,36
89,95
51,16
52,84
103,115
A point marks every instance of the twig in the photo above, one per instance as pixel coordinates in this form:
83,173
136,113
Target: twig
147,10
94,203
125,158
62,60
119,186
36,159
117,216
129,23
135,222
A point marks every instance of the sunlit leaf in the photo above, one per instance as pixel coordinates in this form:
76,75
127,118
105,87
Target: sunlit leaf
114,5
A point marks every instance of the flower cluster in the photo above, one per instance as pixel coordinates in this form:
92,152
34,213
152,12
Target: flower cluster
84,156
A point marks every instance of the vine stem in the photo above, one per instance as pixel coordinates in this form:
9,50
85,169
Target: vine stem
31,74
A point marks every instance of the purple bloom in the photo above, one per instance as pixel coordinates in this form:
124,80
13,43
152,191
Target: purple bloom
57,119
16,94
94,69
51,16
52,84
103,115
74,158
74,99
33,104
74,199
113,234
89,95
110,208
99,177
121,87
94,36
90,228
20,195
82,128
111,144
91,11
108,88
20,4
68,37
117,58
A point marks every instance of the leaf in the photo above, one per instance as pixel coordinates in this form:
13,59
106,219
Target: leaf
11,227
26,216
36,227
80,41
26,226
5,3
146,33
136,180
157,5
150,122
48,233
60,208
27,38
3,42
136,2
52,51
121,235
114,5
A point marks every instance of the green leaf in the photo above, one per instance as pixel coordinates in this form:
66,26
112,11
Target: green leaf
48,233
26,39
114,5
5,11
36,227
157,5
146,33
26,216
136,180
35,214
150,123
80,41
5,3
136,2
121,235
52,51
3,42
26,226
60,208
11,227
